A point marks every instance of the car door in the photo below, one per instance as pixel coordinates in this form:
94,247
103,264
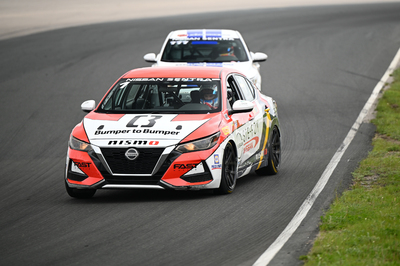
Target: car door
249,125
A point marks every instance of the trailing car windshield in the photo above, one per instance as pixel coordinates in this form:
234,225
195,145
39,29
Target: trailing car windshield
163,95
189,50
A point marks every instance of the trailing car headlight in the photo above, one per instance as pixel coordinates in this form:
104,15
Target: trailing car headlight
255,81
79,145
198,145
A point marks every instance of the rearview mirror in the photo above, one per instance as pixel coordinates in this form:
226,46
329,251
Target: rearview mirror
259,57
88,106
241,106
150,57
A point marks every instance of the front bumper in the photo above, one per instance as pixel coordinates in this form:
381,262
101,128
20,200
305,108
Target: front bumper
164,168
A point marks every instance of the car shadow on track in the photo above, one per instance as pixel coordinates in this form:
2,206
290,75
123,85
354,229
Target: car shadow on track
135,195
248,184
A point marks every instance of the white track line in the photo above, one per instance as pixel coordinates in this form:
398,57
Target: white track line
270,253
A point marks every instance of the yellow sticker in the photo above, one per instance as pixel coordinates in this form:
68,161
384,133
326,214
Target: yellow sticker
226,130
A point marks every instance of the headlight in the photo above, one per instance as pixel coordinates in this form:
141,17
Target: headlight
79,145
198,145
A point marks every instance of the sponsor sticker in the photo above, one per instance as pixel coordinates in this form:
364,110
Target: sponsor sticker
194,33
216,166
226,130
133,142
111,132
124,84
82,164
136,131
251,144
216,158
213,33
184,166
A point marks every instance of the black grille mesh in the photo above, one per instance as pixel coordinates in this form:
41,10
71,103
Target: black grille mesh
143,164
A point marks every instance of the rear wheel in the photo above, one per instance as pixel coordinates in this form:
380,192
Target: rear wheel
80,193
274,156
229,171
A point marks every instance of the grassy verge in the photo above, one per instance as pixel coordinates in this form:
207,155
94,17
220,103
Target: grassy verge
362,227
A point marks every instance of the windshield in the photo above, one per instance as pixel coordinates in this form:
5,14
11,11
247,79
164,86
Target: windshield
202,50
163,95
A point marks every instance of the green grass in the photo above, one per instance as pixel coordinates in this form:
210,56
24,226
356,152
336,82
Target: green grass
362,227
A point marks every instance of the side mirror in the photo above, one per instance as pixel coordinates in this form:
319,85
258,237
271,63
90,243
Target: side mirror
88,106
259,57
150,57
241,106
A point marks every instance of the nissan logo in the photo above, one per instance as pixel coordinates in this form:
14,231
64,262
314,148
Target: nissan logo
131,154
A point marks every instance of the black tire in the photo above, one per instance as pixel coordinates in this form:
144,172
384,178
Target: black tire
274,156
229,171
80,193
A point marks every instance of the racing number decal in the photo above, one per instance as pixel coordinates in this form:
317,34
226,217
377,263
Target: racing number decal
151,121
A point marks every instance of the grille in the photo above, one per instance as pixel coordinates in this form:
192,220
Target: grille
143,164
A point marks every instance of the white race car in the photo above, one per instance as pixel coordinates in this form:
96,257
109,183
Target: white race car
206,47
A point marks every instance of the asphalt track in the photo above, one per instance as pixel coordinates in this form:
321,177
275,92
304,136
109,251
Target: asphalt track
323,65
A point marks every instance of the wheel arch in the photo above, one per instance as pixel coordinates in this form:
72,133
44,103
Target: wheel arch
234,147
271,135
275,124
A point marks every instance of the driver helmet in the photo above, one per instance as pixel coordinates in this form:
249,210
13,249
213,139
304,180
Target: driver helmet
227,51
209,95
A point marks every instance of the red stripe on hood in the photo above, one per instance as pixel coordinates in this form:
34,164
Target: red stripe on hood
80,133
208,128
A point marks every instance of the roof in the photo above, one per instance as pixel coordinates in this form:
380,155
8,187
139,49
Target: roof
204,34
178,72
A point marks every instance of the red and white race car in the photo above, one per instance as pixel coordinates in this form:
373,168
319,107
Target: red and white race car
183,128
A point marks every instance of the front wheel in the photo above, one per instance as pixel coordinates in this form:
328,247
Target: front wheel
229,171
80,193
274,156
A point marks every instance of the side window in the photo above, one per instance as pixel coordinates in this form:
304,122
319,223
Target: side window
248,92
252,87
233,91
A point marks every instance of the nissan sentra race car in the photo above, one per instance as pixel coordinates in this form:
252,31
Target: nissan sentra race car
183,128
209,47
